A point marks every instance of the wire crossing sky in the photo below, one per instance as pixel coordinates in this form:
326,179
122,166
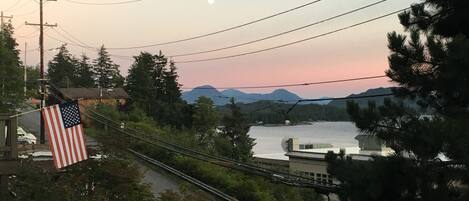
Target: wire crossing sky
103,4
358,52
223,30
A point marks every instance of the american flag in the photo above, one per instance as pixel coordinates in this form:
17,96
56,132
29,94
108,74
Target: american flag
63,125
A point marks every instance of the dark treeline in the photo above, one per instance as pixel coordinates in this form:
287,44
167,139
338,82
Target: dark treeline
65,70
269,112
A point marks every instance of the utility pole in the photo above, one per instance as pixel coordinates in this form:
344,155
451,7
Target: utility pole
25,68
4,17
42,88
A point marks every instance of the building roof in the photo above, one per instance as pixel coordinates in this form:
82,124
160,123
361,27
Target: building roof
354,152
94,93
274,156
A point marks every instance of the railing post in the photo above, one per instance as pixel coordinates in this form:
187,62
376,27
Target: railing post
2,135
12,138
8,152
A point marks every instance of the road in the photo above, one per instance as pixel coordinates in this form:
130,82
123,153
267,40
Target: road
158,180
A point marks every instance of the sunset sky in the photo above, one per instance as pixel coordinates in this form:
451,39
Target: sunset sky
357,52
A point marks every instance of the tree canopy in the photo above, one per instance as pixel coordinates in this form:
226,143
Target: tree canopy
107,72
153,85
235,129
11,77
61,71
205,120
431,65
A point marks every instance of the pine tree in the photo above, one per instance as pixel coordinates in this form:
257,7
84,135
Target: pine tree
431,65
236,130
84,73
171,86
33,76
172,109
205,121
107,72
61,69
153,85
11,80
140,81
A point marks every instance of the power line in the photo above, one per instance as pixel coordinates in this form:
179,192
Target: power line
285,178
103,4
84,45
296,42
223,161
29,34
341,98
19,27
282,33
220,31
290,85
28,13
13,7
70,42
73,39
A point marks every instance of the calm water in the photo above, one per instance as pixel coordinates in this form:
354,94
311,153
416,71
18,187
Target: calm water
339,134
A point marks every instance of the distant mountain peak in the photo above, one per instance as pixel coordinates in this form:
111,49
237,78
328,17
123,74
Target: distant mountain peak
207,87
240,96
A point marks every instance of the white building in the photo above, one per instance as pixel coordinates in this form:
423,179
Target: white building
306,162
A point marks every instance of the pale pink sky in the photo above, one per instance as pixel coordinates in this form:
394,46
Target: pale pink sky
357,52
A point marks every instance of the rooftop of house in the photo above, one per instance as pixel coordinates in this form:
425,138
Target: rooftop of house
94,93
354,152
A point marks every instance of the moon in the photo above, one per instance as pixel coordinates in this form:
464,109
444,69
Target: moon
211,2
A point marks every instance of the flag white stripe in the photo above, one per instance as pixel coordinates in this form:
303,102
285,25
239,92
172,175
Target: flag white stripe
59,138
71,144
60,135
82,142
68,145
52,139
75,144
64,134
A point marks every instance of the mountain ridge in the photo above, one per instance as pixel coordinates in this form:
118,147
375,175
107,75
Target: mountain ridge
223,97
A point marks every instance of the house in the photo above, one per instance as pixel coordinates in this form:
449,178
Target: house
92,96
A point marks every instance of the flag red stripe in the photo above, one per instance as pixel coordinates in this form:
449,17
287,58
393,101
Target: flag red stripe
52,142
75,144
70,143
82,141
56,132
62,133
67,144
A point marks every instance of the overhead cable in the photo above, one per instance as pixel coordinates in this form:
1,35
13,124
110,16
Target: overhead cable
290,85
103,4
13,7
220,31
222,161
341,98
295,42
282,33
71,42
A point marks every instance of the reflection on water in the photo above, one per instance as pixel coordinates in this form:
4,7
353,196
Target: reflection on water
339,134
